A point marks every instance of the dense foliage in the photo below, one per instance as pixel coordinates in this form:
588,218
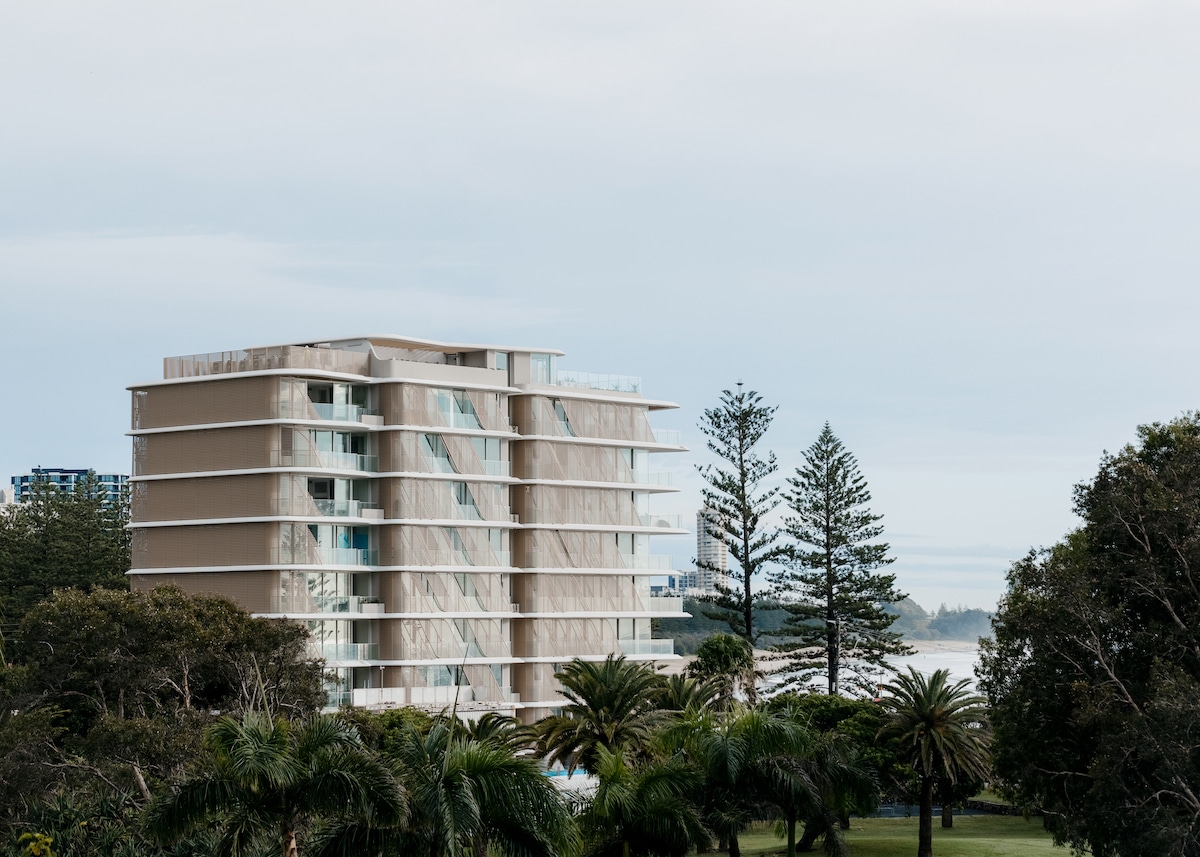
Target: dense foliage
109,692
1094,672
738,503
59,539
833,588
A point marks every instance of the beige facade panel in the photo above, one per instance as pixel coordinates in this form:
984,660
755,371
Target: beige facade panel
447,592
434,452
545,593
444,499
565,638
555,504
250,495
205,545
536,683
248,589
567,549
422,405
571,417
217,401
539,459
237,448
439,545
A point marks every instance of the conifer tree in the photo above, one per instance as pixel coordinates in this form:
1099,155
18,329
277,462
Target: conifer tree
736,503
832,587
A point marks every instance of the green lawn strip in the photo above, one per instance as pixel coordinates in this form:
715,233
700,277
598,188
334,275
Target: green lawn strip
971,836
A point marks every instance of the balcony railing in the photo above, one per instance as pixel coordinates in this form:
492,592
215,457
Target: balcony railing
671,437
325,460
653,477
555,559
324,508
307,603
309,555
647,647
496,468
349,651
648,561
341,413
599,381
668,522
446,649
422,557
665,604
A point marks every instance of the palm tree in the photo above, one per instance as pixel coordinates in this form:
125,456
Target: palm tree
753,763
612,704
680,692
267,779
644,811
945,730
470,797
499,730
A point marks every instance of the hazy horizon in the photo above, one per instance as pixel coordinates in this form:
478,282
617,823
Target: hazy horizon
959,233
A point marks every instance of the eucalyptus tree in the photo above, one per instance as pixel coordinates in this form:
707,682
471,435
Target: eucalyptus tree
832,588
737,503
944,730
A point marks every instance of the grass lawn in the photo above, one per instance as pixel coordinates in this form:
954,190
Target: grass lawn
971,836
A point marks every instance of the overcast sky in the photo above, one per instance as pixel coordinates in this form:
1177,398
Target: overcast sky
963,233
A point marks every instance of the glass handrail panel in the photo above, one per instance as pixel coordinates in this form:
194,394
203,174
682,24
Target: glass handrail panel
647,647
671,437
599,381
349,651
341,413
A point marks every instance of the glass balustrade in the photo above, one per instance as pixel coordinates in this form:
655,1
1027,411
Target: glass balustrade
312,555
341,413
598,381
670,522
421,557
665,604
325,460
308,603
670,437
647,647
350,651
654,562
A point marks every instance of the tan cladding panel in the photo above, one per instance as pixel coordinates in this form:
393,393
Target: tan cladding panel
570,417
205,545
205,402
252,495
251,590
238,448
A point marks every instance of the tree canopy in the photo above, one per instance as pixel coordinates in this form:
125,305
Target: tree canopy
1094,672
57,539
832,587
737,503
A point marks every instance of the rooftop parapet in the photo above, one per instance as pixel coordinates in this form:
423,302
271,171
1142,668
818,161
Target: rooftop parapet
270,357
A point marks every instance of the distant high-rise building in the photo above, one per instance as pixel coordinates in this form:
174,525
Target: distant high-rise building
65,480
712,555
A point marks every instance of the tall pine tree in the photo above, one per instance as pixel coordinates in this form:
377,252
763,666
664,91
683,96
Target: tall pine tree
832,588
736,502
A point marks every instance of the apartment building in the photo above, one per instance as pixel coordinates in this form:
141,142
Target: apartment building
61,479
452,522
